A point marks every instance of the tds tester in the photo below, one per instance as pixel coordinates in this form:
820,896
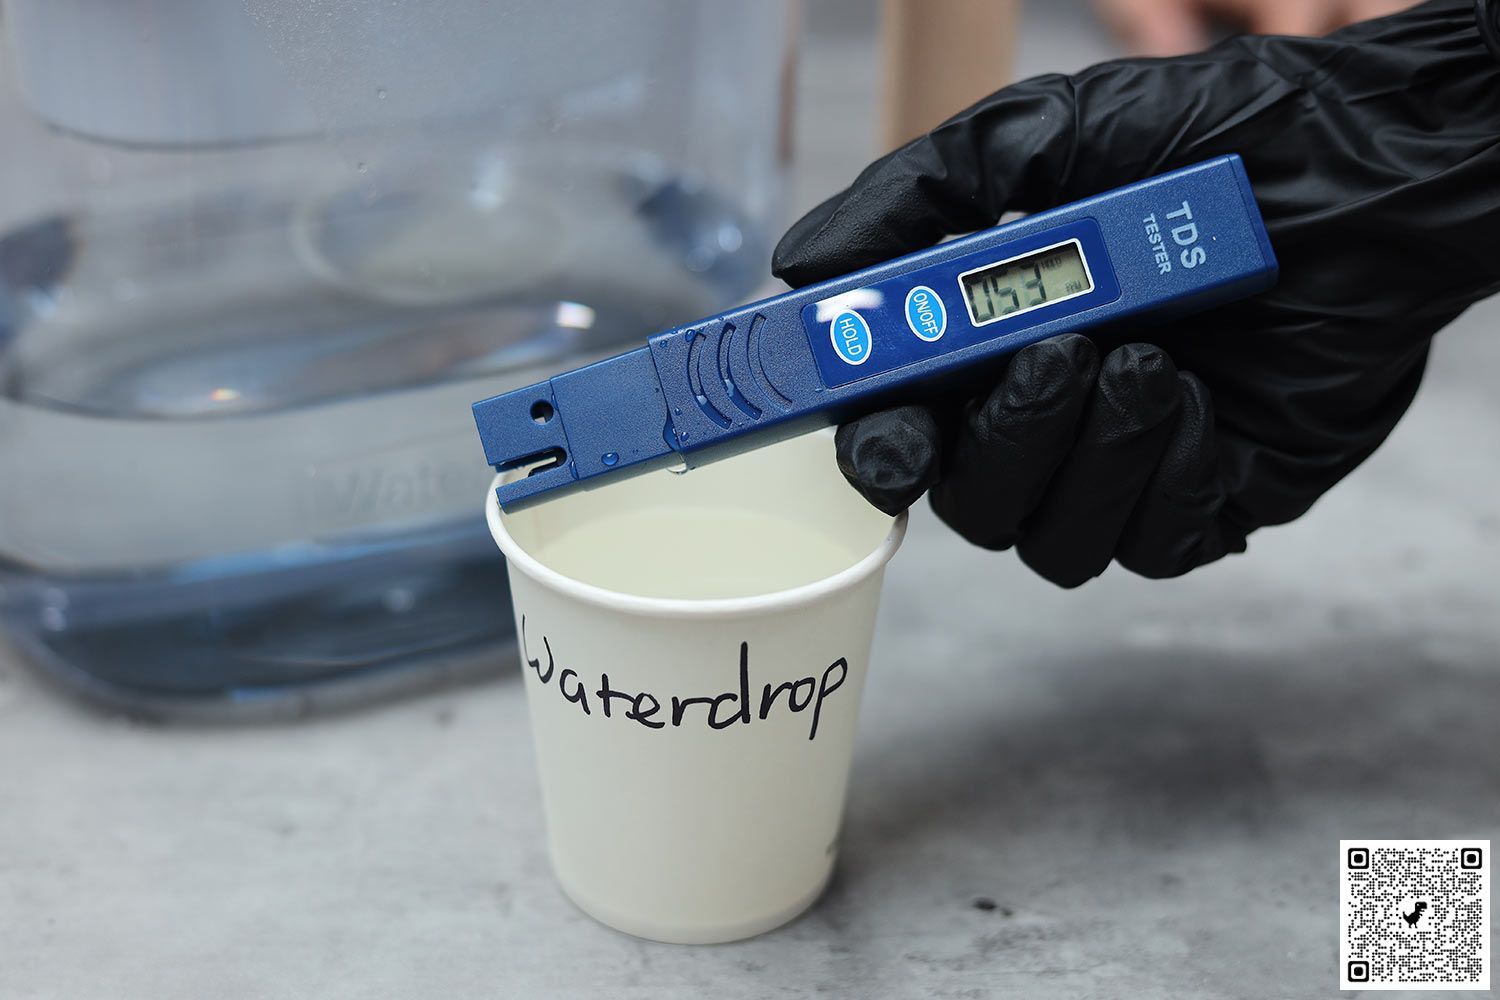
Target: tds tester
905,329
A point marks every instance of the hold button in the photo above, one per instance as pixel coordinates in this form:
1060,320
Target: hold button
851,339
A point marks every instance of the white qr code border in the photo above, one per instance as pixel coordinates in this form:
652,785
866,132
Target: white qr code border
1359,972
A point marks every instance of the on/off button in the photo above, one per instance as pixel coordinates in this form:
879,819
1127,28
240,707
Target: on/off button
925,314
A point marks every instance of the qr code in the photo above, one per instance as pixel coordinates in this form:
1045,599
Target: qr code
1414,914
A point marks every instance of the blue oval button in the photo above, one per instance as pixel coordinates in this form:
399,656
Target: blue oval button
925,313
851,337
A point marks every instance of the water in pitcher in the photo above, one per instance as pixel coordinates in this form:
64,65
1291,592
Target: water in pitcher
241,463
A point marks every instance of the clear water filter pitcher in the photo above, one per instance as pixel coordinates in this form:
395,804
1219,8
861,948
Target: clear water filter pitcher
256,259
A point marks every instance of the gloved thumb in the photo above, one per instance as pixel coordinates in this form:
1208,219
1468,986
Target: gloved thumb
891,457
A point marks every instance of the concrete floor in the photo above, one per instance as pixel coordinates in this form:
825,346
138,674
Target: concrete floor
1148,779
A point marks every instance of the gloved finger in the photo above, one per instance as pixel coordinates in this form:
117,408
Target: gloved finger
1011,150
1072,536
891,457
1178,523
1009,444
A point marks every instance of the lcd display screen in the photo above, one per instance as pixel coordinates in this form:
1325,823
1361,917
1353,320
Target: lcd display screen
1015,286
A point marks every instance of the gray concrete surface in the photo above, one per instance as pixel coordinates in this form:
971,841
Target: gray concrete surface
1148,780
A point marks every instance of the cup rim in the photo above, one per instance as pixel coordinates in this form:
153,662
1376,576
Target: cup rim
688,607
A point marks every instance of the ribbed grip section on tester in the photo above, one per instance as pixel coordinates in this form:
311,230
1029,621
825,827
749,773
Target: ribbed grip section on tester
728,375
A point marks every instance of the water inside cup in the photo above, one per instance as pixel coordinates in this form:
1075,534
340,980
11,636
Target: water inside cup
696,552
766,521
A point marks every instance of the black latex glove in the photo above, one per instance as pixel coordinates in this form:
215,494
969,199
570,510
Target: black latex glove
1375,156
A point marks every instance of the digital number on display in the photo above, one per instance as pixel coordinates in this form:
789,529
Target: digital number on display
1010,287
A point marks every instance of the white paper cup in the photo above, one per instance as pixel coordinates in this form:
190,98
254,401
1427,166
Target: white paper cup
694,648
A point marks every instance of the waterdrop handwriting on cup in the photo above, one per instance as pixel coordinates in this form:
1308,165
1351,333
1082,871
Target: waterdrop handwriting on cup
643,707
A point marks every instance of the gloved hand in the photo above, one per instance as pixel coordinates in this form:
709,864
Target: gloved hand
1375,156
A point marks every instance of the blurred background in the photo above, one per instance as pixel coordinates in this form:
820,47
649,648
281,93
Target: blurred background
255,262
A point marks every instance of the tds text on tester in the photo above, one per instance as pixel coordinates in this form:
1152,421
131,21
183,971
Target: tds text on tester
1184,235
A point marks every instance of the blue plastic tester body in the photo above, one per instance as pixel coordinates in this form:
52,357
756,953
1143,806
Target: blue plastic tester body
905,330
